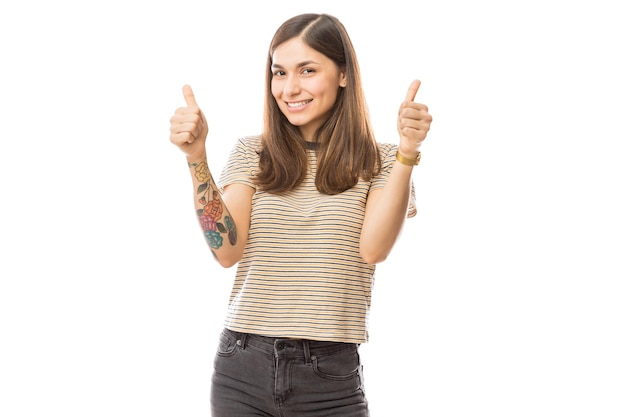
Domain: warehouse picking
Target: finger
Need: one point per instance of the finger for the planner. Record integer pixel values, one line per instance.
(190, 99)
(180, 139)
(422, 125)
(190, 128)
(187, 116)
(415, 85)
(414, 110)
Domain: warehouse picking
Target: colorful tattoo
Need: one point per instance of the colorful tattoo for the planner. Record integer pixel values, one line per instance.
(212, 210)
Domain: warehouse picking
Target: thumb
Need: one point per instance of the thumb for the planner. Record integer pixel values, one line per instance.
(190, 99)
(415, 85)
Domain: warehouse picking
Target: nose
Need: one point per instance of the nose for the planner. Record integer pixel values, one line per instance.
(292, 86)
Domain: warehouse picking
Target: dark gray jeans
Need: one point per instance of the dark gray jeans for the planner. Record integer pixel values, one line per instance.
(263, 376)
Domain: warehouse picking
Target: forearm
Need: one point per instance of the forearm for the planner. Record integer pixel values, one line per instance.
(387, 209)
(217, 223)
(385, 215)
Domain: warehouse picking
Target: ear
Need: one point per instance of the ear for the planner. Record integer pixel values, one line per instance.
(342, 79)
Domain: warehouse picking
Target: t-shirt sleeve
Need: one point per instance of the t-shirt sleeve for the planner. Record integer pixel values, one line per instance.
(388, 153)
(242, 165)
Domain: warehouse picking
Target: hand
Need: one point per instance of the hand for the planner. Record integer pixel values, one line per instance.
(413, 122)
(188, 128)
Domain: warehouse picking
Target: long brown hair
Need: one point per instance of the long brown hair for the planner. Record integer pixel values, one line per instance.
(347, 149)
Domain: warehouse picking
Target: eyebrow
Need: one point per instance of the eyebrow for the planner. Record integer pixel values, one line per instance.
(299, 65)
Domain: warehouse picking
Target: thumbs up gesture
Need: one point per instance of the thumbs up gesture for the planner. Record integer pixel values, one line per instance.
(188, 127)
(413, 122)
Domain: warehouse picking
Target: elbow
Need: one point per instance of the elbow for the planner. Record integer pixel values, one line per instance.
(228, 263)
(225, 261)
(373, 256)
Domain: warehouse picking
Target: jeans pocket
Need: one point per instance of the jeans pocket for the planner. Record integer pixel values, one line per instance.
(228, 344)
(339, 366)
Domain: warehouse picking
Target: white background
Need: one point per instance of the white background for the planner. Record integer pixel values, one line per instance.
(504, 297)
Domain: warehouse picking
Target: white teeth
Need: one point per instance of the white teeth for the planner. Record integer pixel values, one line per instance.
(298, 104)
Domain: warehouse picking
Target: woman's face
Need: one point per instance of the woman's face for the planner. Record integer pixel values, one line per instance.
(304, 84)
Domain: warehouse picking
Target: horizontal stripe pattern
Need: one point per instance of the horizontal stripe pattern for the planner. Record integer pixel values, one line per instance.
(301, 275)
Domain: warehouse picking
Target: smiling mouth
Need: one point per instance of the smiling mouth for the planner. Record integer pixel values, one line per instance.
(296, 104)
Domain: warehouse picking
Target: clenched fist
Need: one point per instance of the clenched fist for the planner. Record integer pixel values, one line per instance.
(413, 122)
(188, 128)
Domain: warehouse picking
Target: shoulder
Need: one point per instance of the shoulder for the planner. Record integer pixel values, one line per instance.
(247, 147)
(387, 151)
(253, 143)
(243, 162)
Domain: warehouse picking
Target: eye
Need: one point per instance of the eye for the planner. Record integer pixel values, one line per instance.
(308, 71)
(278, 73)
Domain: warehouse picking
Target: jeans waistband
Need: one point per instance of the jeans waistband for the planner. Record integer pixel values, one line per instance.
(293, 347)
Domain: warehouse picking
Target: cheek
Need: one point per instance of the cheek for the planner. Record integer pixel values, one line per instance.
(276, 90)
(327, 89)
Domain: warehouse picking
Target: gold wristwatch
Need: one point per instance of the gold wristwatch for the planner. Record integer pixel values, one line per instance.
(408, 161)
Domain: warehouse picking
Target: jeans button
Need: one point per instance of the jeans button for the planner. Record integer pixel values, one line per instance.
(280, 346)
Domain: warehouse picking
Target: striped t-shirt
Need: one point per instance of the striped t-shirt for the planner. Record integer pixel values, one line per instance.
(301, 275)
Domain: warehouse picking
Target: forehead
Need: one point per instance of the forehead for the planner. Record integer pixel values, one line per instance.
(295, 51)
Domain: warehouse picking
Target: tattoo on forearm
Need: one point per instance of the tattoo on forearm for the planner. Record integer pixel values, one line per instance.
(212, 209)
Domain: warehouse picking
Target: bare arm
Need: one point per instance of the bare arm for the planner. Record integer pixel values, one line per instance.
(391, 202)
(224, 218)
(225, 225)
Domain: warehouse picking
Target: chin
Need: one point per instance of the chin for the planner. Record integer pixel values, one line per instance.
(296, 122)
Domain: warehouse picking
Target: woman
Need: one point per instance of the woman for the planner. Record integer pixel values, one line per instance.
(306, 209)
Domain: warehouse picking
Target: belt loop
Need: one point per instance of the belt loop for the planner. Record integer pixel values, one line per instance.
(307, 352)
